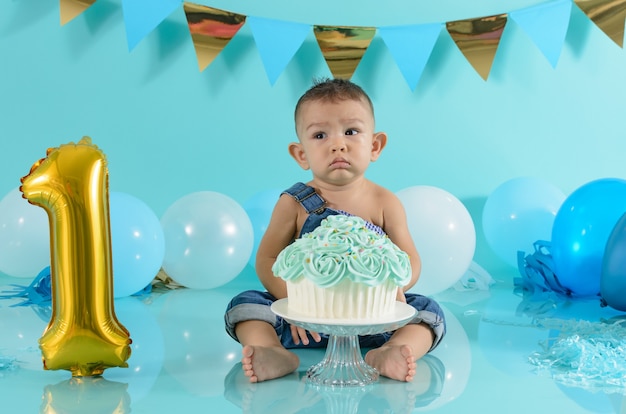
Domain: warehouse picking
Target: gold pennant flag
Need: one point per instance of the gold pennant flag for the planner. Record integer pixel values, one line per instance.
(478, 40)
(608, 15)
(72, 8)
(211, 30)
(343, 47)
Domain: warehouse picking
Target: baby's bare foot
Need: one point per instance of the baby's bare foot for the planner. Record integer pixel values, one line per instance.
(393, 361)
(264, 363)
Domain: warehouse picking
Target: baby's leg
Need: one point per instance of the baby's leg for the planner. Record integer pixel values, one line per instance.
(263, 356)
(397, 358)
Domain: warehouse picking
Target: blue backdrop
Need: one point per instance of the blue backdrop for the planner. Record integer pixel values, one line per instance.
(169, 129)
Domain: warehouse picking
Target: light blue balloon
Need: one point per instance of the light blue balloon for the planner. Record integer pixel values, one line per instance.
(613, 277)
(518, 213)
(137, 243)
(581, 230)
(259, 209)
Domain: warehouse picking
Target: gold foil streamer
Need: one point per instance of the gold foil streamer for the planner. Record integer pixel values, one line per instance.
(72, 8)
(608, 15)
(478, 40)
(343, 47)
(83, 335)
(211, 30)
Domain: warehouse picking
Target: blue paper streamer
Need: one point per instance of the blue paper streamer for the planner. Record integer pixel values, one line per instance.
(579, 353)
(37, 293)
(537, 271)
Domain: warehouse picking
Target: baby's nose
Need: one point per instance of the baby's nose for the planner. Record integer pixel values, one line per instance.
(338, 144)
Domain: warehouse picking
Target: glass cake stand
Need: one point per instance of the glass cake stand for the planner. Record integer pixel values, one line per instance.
(343, 364)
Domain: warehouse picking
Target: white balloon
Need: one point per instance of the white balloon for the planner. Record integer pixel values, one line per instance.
(444, 235)
(208, 240)
(24, 237)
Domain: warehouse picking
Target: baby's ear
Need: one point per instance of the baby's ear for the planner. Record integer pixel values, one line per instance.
(378, 143)
(297, 152)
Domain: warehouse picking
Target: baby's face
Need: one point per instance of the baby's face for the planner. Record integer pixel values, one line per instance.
(337, 138)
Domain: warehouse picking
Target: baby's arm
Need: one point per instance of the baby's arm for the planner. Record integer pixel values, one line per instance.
(396, 227)
(279, 233)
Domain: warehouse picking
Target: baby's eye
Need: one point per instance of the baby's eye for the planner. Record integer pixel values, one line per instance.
(352, 131)
(319, 135)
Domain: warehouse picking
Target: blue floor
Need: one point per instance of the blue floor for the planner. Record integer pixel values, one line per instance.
(183, 362)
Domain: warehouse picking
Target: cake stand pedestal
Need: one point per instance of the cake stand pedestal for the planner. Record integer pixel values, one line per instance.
(343, 364)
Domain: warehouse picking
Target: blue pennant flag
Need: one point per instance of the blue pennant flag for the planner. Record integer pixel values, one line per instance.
(277, 42)
(142, 16)
(411, 47)
(546, 24)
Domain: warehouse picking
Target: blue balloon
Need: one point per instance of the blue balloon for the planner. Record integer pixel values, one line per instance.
(259, 209)
(518, 213)
(613, 278)
(581, 230)
(137, 244)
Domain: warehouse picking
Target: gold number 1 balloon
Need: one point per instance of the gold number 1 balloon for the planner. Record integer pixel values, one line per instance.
(83, 335)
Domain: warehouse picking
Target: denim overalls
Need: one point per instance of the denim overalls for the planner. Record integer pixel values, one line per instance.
(255, 305)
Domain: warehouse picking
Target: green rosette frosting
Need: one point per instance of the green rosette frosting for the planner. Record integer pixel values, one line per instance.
(342, 247)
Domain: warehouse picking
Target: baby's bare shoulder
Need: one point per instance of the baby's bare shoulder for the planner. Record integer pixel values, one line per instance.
(383, 194)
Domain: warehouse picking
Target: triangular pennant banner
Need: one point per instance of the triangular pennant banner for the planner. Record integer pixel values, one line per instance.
(142, 16)
(546, 25)
(72, 8)
(211, 30)
(277, 42)
(608, 15)
(478, 40)
(411, 47)
(343, 47)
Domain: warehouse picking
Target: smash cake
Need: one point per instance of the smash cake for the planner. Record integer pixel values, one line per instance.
(343, 270)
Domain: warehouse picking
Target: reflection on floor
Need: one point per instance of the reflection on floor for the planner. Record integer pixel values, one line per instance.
(183, 361)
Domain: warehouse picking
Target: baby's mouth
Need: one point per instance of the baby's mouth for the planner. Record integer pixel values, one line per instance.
(339, 163)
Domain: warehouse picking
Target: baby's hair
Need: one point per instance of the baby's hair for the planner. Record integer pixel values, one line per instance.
(333, 90)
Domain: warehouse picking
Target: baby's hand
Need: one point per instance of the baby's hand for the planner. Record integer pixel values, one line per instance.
(299, 335)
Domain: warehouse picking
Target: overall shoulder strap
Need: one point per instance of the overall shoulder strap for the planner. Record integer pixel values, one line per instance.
(307, 197)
